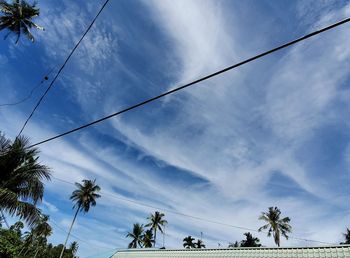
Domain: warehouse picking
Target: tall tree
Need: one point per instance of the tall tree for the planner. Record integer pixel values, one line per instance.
(74, 248)
(199, 244)
(250, 241)
(41, 231)
(136, 236)
(147, 239)
(10, 243)
(156, 222)
(84, 197)
(21, 179)
(347, 237)
(17, 17)
(275, 224)
(188, 242)
(36, 240)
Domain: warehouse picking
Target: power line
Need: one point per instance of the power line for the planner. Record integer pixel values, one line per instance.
(62, 67)
(191, 216)
(197, 81)
(74, 236)
(44, 78)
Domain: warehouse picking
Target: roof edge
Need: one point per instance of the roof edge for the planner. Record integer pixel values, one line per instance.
(225, 249)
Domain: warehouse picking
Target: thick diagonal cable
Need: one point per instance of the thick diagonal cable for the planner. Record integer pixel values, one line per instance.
(197, 81)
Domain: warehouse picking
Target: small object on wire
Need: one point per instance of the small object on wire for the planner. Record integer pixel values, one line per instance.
(30, 93)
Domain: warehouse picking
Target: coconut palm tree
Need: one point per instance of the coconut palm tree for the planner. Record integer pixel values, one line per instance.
(136, 235)
(250, 241)
(347, 237)
(147, 239)
(84, 197)
(37, 237)
(17, 18)
(199, 244)
(188, 242)
(42, 230)
(74, 248)
(156, 222)
(275, 224)
(21, 179)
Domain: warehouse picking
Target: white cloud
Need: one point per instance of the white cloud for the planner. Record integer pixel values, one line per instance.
(201, 35)
(236, 136)
(51, 207)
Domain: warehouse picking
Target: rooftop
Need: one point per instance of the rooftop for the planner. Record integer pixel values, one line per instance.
(254, 252)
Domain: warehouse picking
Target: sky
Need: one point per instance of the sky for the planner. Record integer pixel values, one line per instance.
(274, 132)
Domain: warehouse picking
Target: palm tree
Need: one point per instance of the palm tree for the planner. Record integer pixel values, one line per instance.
(347, 237)
(156, 222)
(37, 237)
(84, 197)
(188, 242)
(42, 230)
(136, 236)
(275, 225)
(250, 241)
(17, 18)
(199, 244)
(147, 239)
(17, 227)
(74, 248)
(21, 179)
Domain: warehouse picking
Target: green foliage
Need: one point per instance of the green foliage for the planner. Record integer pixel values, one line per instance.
(199, 244)
(136, 235)
(31, 244)
(250, 241)
(21, 179)
(10, 243)
(188, 242)
(147, 239)
(54, 252)
(36, 239)
(17, 18)
(86, 194)
(275, 225)
(74, 247)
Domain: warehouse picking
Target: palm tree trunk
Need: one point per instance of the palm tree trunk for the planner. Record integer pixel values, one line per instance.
(70, 229)
(155, 236)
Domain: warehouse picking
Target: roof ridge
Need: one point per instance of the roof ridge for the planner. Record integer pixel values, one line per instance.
(231, 249)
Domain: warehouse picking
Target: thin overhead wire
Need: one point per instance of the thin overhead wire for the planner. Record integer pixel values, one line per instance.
(77, 238)
(198, 80)
(191, 216)
(43, 80)
(62, 67)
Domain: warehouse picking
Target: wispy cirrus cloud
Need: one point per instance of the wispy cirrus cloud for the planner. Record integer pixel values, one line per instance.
(224, 150)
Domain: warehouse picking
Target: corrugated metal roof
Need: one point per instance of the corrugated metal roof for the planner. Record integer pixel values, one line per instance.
(259, 252)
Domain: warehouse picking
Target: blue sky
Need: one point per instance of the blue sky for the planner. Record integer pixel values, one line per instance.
(271, 133)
